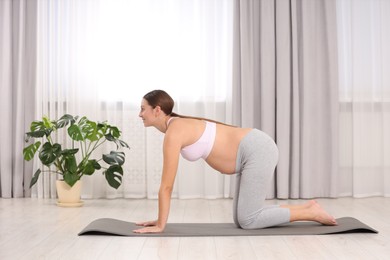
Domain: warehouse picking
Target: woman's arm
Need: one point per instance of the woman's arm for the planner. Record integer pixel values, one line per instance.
(171, 153)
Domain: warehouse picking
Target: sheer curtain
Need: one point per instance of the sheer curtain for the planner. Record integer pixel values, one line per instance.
(98, 58)
(364, 66)
(17, 85)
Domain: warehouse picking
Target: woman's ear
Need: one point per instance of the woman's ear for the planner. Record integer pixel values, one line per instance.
(157, 111)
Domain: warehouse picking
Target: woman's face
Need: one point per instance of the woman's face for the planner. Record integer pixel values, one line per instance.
(147, 113)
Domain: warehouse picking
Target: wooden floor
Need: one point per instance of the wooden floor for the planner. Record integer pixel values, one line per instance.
(38, 229)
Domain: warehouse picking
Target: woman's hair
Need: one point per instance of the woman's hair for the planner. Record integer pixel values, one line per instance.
(165, 102)
(162, 99)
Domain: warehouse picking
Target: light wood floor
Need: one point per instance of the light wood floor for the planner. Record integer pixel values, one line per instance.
(38, 229)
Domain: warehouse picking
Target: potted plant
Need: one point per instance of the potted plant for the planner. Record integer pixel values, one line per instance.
(76, 159)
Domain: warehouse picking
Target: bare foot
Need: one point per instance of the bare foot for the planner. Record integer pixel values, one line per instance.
(320, 215)
(310, 211)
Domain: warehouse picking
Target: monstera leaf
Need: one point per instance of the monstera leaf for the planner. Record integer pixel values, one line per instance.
(114, 158)
(114, 176)
(29, 151)
(66, 120)
(49, 153)
(90, 167)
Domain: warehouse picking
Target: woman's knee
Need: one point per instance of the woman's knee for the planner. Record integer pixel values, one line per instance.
(250, 222)
(267, 216)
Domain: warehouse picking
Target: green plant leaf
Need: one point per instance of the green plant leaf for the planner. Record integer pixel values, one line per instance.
(95, 136)
(29, 151)
(114, 158)
(102, 128)
(65, 120)
(36, 126)
(48, 132)
(67, 152)
(91, 131)
(37, 134)
(114, 131)
(49, 153)
(102, 125)
(114, 176)
(70, 164)
(95, 164)
(90, 167)
(71, 178)
(75, 133)
(35, 178)
(118, 142)
(110, 138)
(84, 124)
(47, 123)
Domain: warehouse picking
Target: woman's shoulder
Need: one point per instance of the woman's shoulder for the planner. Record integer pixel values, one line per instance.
(177, 132)
(184, 121)
(182, 127)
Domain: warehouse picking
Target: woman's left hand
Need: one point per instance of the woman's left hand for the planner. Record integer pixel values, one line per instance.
(151, 229)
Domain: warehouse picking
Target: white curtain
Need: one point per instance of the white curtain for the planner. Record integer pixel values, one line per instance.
(17, 85)
(98, 58)
(364, 68)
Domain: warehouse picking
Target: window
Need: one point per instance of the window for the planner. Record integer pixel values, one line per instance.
(122, 48)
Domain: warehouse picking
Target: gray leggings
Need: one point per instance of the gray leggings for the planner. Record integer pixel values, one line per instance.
(257, 157)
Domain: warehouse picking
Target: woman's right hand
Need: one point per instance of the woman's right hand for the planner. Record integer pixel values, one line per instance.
(147, 223)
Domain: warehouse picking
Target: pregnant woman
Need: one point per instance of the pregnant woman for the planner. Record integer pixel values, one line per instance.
(249, 153)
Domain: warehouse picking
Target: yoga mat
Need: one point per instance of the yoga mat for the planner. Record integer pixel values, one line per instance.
(114, 227)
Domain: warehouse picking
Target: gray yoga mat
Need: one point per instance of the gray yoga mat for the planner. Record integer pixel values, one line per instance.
(114, 227)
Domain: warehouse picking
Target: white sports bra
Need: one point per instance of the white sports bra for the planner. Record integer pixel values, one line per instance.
(202, 147)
